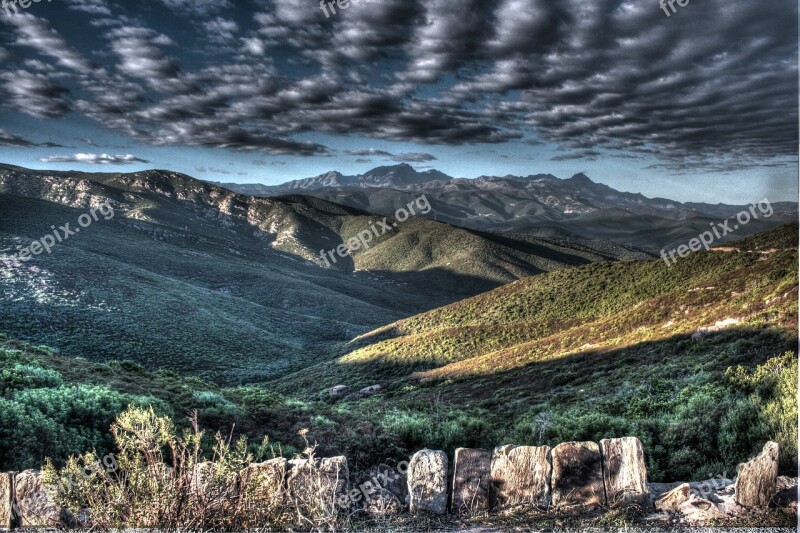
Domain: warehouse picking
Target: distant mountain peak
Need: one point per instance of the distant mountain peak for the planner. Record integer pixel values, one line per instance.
(581, 179)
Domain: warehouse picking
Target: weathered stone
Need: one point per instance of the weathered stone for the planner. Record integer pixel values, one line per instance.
(521, 476)
(427, 482)
(262, 488)
(369, 391)
(35, 506)
(472, 480)
(672, 500)
(624, 471)
(338, 390)
(577, 475)
(317, 485)
(785, 491)
(382, 502)
(757, 478)
(6, 499)
(384, 490)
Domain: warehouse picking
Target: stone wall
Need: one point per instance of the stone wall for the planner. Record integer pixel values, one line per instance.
(573, 476)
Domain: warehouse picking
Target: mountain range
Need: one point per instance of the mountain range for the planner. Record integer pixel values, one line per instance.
(186, 270)
(541, 205)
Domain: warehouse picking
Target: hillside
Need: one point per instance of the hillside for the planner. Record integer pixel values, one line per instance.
(192, 277)
(698, 361)
(586, 352)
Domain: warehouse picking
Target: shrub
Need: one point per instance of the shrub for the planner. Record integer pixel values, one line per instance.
(157, 479)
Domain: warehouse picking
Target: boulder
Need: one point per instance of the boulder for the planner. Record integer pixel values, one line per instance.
(427, 482)
(521, 476)
(369, 391)
(472, 480)
(338, 390)
(6, 499)
(262, 489)
(624, 471)
(317, 485)
(785, 492)
(35, 504)
(577, 476)
(756, 480)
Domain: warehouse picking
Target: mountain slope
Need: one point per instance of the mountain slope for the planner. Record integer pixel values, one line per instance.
(193, 277)
(582, 312)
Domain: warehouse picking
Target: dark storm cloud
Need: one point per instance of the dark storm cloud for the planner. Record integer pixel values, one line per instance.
(410, 157)
(713, 86)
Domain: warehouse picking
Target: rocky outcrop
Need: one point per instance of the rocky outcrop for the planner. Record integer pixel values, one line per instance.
(427, 482)
(35, 506)
(757, 478)
(624, 471)
(521, 477)
(577, 476)
(472, 480)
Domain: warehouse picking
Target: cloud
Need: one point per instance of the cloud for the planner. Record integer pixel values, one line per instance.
(8, 139)
(589, 155)
(716, 87)
(414, 157)
(94, 159)
(370, 152)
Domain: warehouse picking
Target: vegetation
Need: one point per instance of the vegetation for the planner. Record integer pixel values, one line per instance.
(600, 351)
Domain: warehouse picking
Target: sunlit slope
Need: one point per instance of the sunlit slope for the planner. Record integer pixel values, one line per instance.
(587, 311)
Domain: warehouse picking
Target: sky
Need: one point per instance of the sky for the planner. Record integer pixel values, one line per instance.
(699, 104)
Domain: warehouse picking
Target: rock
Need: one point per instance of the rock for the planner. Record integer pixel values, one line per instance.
(262, 489)
(427, 482)
(381, 503)
(472, 480)
(672, 500)
(35, 505)
(316, 486)
(757, 479)
(624, 471)
(785, 491)
(369, 391)
(521, 476)
(6, 499)
(338, 390)
(378, 479)
(577, 476)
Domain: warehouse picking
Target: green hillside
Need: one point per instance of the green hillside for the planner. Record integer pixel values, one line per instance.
(594, 352)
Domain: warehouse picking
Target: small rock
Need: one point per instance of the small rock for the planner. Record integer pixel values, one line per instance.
(785, 491)
(757, 479)
(427, 482)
